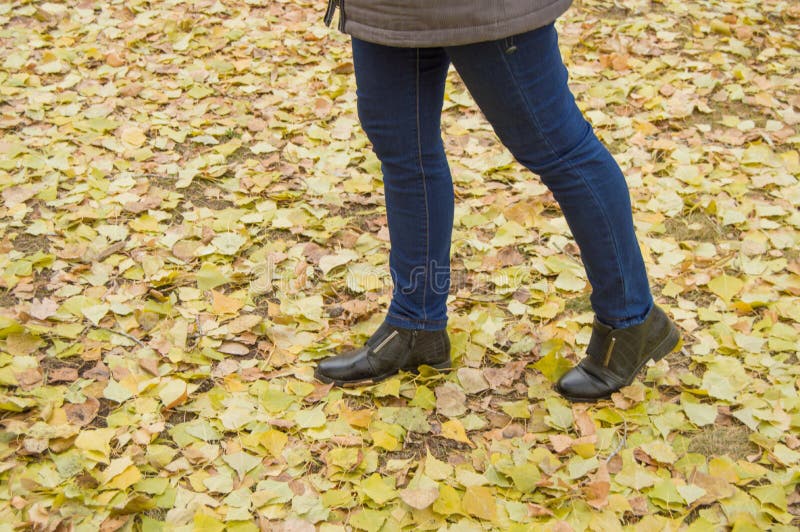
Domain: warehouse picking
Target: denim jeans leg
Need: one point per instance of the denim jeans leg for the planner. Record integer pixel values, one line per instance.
(400, 94)
(520, 84)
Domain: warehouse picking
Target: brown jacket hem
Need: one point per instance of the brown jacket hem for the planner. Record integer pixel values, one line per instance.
(426, 38)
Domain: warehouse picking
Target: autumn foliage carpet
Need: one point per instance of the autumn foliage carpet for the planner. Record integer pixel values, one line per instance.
(191, 217)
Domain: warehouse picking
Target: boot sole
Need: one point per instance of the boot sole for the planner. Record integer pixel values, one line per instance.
(441, 366)
(669, 344)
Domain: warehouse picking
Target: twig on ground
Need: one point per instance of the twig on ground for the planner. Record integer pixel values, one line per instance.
(621, 442)
(119, 333)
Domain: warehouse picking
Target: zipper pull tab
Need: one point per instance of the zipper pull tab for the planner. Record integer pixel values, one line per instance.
(342, 16)
(330, 11)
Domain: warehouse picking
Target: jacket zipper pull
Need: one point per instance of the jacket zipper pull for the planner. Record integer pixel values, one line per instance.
(330, 11)
(342, 17)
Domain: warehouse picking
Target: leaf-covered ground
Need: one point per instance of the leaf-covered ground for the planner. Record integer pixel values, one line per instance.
(191, 217)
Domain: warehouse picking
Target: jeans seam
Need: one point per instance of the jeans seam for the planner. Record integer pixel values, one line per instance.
(528, 108)
(424, 192)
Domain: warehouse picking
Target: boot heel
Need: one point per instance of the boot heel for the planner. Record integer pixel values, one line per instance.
(670, 344)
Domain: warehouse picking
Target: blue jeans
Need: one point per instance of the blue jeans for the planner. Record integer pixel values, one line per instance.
(520, 85)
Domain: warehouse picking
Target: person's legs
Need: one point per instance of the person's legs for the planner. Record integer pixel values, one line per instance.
(400, 94)
(520, 84)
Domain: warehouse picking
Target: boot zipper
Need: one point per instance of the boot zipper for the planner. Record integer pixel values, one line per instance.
(384, 342)
(332, 5)
(609, 351)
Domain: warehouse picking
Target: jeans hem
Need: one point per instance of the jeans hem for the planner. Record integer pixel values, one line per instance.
(622, 323)
(419, 325)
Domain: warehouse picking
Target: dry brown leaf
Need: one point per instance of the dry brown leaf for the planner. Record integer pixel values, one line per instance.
(83, 413)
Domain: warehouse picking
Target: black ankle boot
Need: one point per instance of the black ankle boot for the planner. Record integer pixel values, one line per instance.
(388, 351)
(615, 356)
